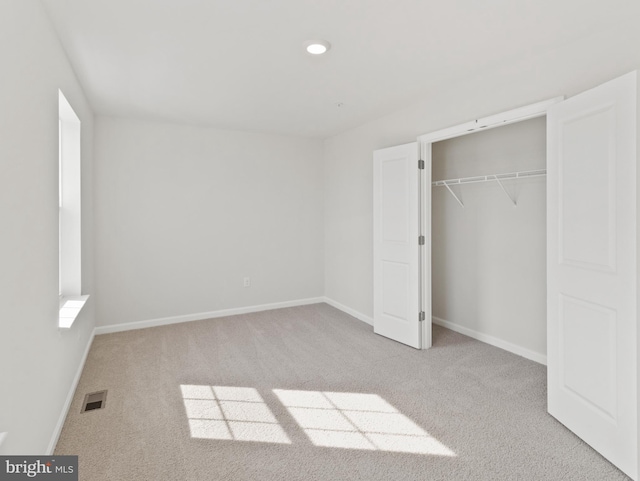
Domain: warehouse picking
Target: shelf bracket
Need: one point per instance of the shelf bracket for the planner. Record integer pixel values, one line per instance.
(454, 194)
(505, 192)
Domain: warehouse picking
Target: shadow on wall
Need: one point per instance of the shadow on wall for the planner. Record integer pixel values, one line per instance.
(328, 419)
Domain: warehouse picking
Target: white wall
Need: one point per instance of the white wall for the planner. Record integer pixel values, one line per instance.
(184, 213)
(489, 258)
(567, 70)
(38, 362)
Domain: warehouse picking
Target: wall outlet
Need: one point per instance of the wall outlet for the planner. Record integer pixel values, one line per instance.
(247, 282)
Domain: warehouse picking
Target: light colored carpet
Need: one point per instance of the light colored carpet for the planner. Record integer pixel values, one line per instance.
(310, 393)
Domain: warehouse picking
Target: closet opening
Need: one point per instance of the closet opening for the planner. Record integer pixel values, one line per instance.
(488, 236)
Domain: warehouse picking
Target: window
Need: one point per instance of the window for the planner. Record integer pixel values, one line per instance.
(70, 278)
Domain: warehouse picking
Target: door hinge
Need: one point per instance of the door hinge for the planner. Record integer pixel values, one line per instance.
(421, 164)
(421, 240)
(421, 316)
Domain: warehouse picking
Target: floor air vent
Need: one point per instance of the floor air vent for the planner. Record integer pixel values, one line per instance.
(94, 400)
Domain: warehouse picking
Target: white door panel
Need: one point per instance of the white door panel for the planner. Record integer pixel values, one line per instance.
(397, 298)
(591, 262)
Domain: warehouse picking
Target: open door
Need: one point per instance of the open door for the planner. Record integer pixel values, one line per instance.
(592, 270)
(398, 245)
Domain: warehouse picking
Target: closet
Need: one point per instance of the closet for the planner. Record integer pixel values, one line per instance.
(488, 231)
(461, 237)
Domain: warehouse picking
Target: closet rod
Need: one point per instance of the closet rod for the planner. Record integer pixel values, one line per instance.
(489, 178)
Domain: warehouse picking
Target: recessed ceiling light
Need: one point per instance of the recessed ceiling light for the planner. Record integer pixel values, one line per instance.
(317, 47)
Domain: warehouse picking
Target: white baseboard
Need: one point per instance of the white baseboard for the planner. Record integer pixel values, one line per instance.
(67, 403)
(129, 326)
(494, 341)
(348, 310)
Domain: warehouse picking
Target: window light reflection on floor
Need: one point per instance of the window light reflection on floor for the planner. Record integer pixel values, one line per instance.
(357, 421)
(230, 413)
(329, 419)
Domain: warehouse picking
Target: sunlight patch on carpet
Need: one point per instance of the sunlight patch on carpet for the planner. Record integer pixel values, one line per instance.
(230, 413)
(328, 419)
(357, 421)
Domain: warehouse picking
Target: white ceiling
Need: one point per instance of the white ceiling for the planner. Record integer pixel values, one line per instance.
(240, 64)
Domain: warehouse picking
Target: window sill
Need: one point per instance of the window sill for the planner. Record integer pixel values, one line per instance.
(70, 307)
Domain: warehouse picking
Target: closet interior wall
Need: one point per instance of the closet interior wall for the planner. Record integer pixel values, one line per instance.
(489, 258)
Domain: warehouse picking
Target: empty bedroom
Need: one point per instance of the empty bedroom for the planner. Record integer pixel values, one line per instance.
(312, 240)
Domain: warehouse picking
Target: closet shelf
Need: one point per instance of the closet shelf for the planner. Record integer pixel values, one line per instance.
(489, 178)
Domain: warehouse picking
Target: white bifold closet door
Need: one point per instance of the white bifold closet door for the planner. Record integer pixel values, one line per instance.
(592, 269)
(397, 293)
